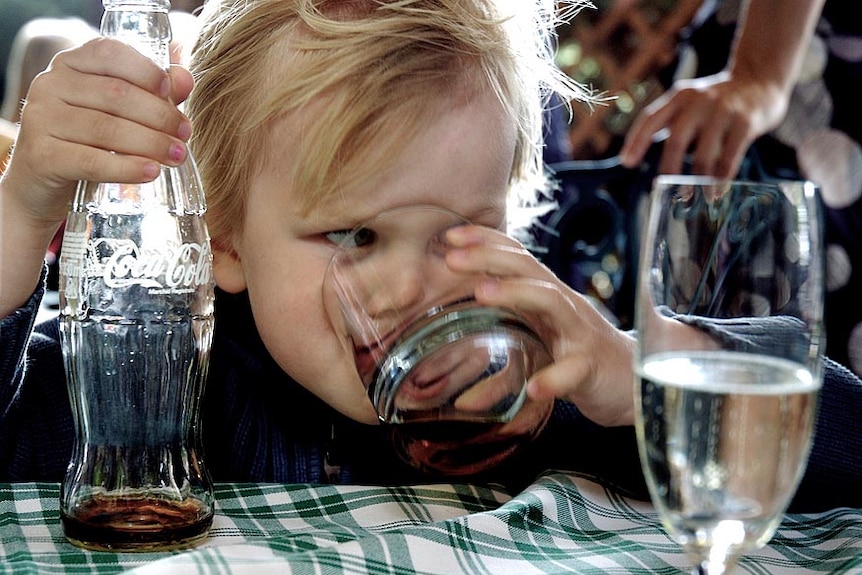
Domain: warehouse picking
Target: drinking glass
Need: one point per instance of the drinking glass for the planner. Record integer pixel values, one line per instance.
(445, 373)
(729, 318)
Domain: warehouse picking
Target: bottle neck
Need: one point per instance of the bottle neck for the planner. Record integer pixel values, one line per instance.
(142, 24)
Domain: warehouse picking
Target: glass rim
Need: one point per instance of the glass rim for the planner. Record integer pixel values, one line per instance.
(434, 331)
(700, 180)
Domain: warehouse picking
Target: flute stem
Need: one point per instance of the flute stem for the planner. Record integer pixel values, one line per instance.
(714, 564)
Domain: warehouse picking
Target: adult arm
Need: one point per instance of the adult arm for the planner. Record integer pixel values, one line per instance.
(717, 117)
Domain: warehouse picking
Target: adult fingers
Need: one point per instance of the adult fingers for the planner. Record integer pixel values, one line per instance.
(640, 135)
(683, 129)
(737, 140)
(709, 145)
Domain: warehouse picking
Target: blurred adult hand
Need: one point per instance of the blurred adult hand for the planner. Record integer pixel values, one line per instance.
(714, 118)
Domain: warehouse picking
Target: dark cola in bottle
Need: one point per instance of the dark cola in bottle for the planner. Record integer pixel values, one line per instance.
(136, 322)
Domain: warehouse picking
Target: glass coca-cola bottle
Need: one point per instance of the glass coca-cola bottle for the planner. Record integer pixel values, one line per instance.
(136, 298)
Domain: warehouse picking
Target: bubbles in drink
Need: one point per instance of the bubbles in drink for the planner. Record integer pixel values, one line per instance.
(707, 421)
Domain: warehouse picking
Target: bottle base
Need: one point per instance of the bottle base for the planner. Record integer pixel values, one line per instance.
(137, 524)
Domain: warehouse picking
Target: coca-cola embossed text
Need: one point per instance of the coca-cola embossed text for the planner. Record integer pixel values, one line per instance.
(122, 263)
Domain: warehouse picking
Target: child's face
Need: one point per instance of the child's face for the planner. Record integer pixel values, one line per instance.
(460, 162)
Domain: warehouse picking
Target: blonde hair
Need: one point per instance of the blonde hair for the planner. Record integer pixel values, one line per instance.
(380, 68)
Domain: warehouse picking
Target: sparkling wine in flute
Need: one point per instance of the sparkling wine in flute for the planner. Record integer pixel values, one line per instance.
(729, 317)
(726, 436)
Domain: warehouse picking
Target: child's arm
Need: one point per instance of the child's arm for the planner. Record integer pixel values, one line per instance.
(100, 98)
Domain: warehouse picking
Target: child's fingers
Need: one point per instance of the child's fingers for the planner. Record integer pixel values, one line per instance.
(100, 165)
(546, 300)
(111, 58)
(517, 279)
(592, 359)
(57, 162)
(59, 137)
(123, 100)
(181, 84)
(607, 402)
(106, 132)
(477, 249)
(567, 378)
(84, 109)
(77, 81)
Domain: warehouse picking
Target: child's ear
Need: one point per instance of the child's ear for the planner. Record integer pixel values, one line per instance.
(227, 268)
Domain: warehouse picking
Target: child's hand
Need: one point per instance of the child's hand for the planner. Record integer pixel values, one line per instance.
(102, 113)
(592, 359)
(100, 98)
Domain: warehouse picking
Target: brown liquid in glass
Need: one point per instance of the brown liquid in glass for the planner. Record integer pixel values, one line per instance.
(128, 523)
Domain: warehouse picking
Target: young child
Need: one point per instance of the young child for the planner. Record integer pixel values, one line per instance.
(312, 116)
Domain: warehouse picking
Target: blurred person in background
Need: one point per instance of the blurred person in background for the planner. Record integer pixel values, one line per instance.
(34, 46)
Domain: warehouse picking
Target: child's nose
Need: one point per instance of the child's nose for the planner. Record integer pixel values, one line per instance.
(400, 289)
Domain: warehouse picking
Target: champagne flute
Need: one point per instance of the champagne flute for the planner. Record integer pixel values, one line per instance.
(729, 317)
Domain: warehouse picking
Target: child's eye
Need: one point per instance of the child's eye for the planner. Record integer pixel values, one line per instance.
(352, 238)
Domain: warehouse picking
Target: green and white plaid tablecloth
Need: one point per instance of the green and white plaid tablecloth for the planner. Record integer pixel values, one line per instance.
(561, 524)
